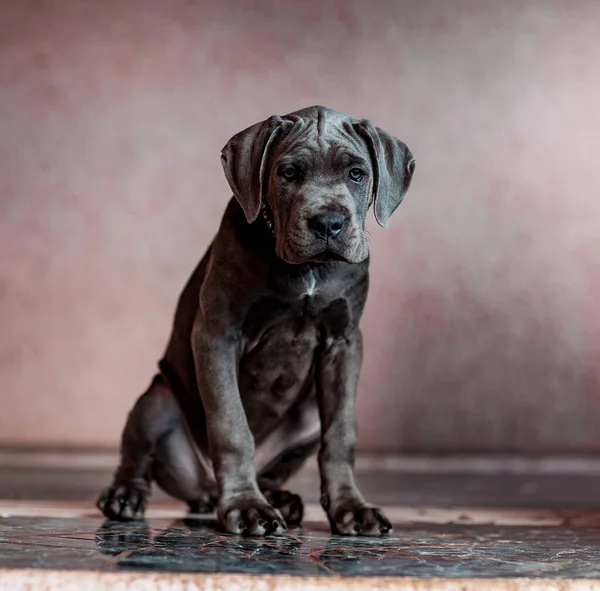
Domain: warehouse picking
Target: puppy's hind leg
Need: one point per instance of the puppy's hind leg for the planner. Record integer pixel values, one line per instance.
(183, 473)
(273, 477)
(282, 455)
(153, 417)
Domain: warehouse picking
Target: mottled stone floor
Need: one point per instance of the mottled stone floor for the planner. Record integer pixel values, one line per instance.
(196, 546)
(466, 530)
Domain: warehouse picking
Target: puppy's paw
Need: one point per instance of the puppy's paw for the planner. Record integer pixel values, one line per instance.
(250, 516)
(289, 504)
(351, 519)
(122, 503)
(205, 504)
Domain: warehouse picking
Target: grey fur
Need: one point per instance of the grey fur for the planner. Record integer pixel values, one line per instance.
(263, 362)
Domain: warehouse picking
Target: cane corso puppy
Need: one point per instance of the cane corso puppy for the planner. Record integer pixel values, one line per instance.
(262, 365)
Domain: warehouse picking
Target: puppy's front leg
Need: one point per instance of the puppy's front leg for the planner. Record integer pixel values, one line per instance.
(347, 510)
(242, 508)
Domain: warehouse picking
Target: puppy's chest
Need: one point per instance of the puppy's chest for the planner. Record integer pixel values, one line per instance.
(308, 285)
(308, 291)
(298, 312)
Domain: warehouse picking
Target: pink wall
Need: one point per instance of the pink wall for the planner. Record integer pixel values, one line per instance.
(481, 331)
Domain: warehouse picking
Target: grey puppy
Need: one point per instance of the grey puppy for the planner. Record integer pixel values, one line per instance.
(262, 366)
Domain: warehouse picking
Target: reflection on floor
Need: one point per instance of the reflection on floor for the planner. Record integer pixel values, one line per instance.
(195, 545)
(60, 541)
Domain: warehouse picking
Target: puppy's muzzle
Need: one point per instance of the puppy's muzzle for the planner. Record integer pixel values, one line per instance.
(327, 225)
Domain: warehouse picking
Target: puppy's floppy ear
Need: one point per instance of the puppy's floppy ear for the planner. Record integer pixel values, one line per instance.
(244, 159)
(393, 167)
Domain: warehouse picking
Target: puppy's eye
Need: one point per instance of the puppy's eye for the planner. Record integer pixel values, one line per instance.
(289, 173)
(356, 175)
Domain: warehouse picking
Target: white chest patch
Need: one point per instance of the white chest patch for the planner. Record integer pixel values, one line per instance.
(310, 285)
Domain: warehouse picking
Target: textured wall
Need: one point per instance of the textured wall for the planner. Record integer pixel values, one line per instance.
(481, 330)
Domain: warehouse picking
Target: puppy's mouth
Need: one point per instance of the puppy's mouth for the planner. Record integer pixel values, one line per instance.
(298, 246)
(331, 250)
(325, 255)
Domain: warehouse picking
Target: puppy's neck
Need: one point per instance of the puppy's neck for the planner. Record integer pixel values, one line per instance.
(265, 212)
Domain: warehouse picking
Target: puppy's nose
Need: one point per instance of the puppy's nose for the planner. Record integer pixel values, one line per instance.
(328, 224)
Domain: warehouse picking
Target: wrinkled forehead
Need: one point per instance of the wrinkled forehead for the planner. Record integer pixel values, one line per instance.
(331, 143)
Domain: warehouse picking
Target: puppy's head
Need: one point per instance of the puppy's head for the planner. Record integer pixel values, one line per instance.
(316, 172)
